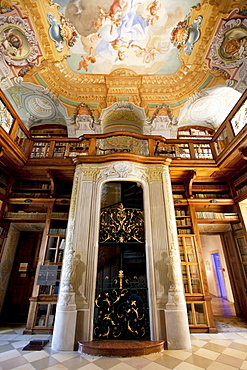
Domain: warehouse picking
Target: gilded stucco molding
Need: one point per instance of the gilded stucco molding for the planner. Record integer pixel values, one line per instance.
(89, 173)
(121, 170)
(123, 72)
(155, 173)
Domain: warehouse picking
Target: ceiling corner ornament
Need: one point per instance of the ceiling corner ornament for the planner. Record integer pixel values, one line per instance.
(162, 110)
(60, 32)
(55, 32)
(83, 109)
(18, 43)
(185, 35)
(228, 49)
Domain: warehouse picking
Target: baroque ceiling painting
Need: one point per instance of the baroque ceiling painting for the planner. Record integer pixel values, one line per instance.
(126, 33)
(85, 65)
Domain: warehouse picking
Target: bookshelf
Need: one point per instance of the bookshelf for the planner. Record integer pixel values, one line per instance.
(53, 258)
(210, 191)
(31, 189)
(199, 311)
(45, 315)
(77, 148)
(60, 149)
(240, 240)
(55, 241)
(178, 191)
(43, 302)
(189, 261)
(4, 180)
(216, 217)
(196, 314)
(183, 220)
(41, 149)
(240, 186)
(195, 133)
(203, 151)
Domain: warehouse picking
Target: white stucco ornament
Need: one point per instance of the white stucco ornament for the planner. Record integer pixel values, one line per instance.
(208, 108)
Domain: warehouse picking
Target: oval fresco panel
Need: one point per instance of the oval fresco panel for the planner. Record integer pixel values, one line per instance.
(133, 34)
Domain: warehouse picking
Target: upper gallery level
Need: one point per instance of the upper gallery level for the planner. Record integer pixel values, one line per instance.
(124, 133)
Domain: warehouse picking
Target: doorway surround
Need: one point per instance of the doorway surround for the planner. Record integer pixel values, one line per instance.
(75, 308)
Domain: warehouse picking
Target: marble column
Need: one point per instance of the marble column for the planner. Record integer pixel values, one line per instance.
(65, 321)
(177, 329)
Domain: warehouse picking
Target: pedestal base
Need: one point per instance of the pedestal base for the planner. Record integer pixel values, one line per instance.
(120, 348)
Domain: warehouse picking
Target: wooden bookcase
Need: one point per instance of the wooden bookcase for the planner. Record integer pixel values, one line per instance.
(195, 132)
(43, 302)
(6, 181)
(240, 187)
(213, 204)
(30, 189)
(47, 203)
(240, 240)
(198, 306)
(210, 191)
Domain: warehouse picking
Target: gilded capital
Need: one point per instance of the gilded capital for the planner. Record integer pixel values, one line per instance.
(89, 173)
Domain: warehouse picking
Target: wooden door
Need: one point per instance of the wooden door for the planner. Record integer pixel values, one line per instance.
(236, 274)
(20, 287)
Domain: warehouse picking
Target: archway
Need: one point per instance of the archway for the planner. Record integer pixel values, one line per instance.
(121, 300)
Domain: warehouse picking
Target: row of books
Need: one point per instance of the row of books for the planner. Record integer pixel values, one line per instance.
(194, 132)
(217, 215)
(184, 231)
(64, 215)
(29, 195)
(242, 190)
(240, 179)
(180, 212)
(57, 231)
(22, 214)
(32, 185)
(210, 195)
(183, 222)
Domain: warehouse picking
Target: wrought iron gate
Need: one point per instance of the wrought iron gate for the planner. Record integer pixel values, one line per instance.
(121, 309)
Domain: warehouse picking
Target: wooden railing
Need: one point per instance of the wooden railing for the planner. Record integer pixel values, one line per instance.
(105, 145)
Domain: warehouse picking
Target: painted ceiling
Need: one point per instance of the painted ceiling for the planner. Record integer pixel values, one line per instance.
(130, 34)
(186, 56)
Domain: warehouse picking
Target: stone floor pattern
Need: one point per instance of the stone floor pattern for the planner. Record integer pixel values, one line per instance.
(224, 351)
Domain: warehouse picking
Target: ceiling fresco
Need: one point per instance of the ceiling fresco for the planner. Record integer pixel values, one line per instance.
(187, 56)
(127, 34)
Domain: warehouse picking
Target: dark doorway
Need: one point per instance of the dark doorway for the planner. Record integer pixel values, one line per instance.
(121, 304)
(20, 286)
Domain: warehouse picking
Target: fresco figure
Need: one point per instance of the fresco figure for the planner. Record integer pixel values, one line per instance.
(153, 9)
(84, 63)
(122, 32)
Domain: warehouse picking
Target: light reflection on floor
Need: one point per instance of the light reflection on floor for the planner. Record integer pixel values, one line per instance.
(222, 307)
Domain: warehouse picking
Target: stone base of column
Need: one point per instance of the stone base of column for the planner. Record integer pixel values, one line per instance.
(63, 338)
(177, 328)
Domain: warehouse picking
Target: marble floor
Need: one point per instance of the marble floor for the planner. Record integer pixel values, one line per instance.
(223, 350)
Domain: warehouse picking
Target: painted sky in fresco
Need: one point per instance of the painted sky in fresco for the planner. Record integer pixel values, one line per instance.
(132, 34)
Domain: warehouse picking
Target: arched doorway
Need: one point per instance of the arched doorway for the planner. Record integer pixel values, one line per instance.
(121, 300)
